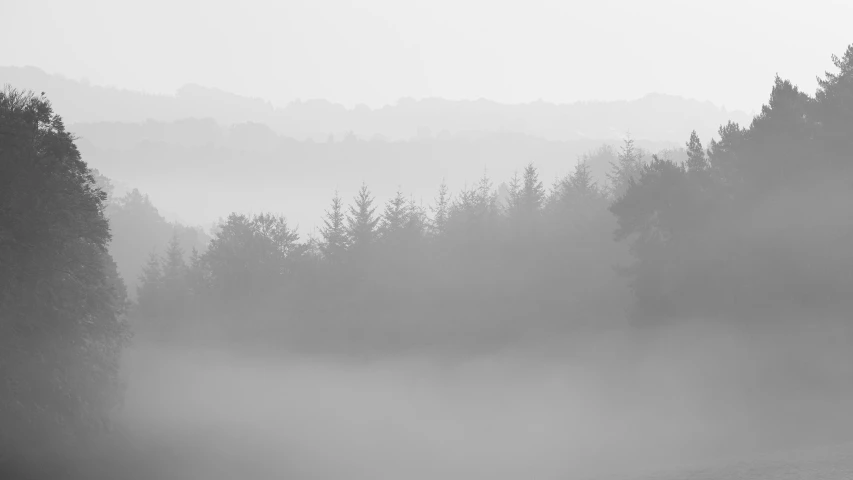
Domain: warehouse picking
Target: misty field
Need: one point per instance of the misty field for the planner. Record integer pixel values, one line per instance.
(673, 411)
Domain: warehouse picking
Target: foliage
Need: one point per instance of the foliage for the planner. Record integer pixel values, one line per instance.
(62, 302)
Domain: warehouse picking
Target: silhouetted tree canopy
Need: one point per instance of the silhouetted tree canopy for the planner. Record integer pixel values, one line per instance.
(62, 302)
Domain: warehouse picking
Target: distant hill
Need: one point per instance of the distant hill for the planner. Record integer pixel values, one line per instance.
(654, 117)
(215, 171)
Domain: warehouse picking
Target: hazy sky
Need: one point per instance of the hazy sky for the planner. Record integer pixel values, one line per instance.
(376, 51)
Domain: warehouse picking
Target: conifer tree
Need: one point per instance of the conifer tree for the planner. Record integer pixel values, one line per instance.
(626, 169)
(533, 192)
(441, 210)
(696, 161)
(581, 180)
(361, 224)
(151, 285)
(394, 220)
(334, 232)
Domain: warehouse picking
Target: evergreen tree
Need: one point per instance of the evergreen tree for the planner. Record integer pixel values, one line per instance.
(415, 222)
(581, 180)
(334, 232)
(149, 290)
(175, 285)
(625, 169)
(196, 278)
(174, 265)
(361, 225)
(394, 220)
(514, 194)
(696, 161)
(526, 198)
(486, 198)
(533, 192)
(441, 211)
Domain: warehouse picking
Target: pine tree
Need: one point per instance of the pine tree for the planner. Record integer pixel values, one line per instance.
(441, 211)
(696, 161)
(174, 265)
(555, 192)
(196, 278)
(514, 201)
(415, 222)
(527, 195)
(361, 224)
(486, 197)
(334, 232)
(533, 192)
(625, 169)
(150, 289)
(393, 219)
(581, 180)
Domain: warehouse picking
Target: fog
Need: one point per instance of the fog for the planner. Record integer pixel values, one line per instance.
(608, 407)
(463, 240)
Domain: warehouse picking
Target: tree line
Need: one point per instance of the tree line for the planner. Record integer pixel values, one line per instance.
(718, 235)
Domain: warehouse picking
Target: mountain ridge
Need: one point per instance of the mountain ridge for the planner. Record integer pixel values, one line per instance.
(655, 116)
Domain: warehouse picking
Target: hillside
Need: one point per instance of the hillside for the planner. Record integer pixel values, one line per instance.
(654, 117)
(202, 171)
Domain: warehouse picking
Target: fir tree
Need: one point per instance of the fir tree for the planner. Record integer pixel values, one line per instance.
(441, 211)
(626, 169)
(696, 161)
(394, 219)
(334, 232)
(361, 224)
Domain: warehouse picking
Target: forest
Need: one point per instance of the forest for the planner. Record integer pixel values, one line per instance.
(750, 230)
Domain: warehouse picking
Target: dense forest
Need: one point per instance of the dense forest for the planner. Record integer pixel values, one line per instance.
(738, 229)
(753, 225)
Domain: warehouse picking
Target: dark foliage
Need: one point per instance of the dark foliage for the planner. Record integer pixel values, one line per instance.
(61, 299)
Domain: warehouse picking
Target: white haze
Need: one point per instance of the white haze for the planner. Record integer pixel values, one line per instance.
(376, 51)
(591, 410)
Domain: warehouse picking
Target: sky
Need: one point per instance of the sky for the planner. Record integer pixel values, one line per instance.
(375, 52)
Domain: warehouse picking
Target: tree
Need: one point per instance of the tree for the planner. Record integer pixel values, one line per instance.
(653, 212)
(334, 232)
(150, 289)
(833, 108)
(393, 221)
(696, 161)
(514, 195)
(361, 225)
(526, 198)
(138, 227)
(175, 279)
(62, 304)
(581, 179)
(196, 274)
(533, 192)
(415, 222)
(625, 169)
(441, 211)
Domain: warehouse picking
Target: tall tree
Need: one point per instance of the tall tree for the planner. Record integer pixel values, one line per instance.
(393, 220)
(581, 179)
(696, 161)
(533, 192)
(334, 232)
(441, 210)
(149, 290)
(625, 169)
(361, 224)
(61, 309)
